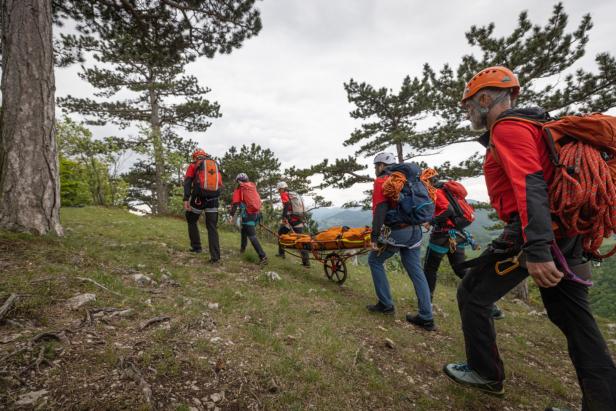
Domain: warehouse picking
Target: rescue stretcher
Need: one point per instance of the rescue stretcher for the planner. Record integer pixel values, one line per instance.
(332, 247)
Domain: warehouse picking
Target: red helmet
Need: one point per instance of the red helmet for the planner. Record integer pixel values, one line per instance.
(497, 76)
(198, 153)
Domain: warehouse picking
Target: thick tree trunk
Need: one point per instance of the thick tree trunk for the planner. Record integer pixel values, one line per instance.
(162, 197)
(521, 291)
(29, 179)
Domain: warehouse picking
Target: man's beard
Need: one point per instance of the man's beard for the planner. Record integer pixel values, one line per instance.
(478, 121)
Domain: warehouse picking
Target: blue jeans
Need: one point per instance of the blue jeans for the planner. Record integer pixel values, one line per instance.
(410, 261)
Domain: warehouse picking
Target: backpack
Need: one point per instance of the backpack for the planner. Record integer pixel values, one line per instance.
(297, 204)
(583, 191)
(250, 197)
(413, 203)
(464, 214)
(207, 182)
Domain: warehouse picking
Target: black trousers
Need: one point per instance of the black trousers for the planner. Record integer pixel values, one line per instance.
(298, 230)
(567, 307)
(249, 232)
(432, 262)
(211, 221)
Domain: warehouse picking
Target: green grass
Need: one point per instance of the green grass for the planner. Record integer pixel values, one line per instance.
(299, 343)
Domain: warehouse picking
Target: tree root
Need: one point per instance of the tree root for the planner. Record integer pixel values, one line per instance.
(58, 336)
(151, 321)
(8, 304)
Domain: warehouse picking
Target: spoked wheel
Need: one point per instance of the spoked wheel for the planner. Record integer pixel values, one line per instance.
(335, 268)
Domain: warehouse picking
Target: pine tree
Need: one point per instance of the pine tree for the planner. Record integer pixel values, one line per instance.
(147, 57)
(394, 116)
(260, 164)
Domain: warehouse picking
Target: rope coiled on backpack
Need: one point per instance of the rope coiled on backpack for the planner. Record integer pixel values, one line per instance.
(583, 196)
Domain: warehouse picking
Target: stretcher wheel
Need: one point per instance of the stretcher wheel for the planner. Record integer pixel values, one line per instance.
(335, 268)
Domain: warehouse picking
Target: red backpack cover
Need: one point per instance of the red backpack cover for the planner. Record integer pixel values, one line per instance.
(250, 197)
(464, 212)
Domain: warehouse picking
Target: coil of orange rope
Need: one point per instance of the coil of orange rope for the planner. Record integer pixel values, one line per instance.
(583, 196)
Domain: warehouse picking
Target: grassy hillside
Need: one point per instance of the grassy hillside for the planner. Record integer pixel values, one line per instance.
(234, 339)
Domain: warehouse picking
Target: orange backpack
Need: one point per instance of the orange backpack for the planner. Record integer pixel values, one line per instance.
(207, 178)
(583, 193)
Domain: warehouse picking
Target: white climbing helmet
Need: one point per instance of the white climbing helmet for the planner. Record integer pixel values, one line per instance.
(281, 185)
(385, 158)
(241, 177)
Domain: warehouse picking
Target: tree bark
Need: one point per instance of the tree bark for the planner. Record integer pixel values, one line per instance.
(29, 178)
(400, 153)
(521, 291)
(162, 196)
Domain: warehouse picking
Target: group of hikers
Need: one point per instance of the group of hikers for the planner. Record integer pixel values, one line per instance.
(520, 168)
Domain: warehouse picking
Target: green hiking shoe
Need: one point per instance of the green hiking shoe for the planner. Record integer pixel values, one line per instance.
(497, 313)
(463, 374)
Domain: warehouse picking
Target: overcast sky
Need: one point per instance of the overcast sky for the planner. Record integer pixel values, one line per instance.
(284, 88)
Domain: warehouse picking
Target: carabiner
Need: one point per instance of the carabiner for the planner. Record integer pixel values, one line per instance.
(515, 263)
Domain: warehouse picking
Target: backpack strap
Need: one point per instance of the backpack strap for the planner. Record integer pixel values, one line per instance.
(523, 119)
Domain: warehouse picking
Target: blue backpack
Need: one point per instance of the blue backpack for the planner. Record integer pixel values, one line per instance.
(414, 206)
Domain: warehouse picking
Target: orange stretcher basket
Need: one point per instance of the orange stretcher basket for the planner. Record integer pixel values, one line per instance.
(334, 238)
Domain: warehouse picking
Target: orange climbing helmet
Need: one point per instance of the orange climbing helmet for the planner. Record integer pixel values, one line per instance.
(497, 76)
(199, 153)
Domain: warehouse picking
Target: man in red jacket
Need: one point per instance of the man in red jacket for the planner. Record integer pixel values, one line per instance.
(196, 203)
(518, 170)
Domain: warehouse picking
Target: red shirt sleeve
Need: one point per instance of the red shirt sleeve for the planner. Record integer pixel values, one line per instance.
(190, 171)
(284, 197)
(377, 193)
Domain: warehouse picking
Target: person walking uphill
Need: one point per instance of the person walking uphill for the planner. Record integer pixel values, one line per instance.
(399, 237)
(292, 218)
(246, 199)
(518, 170)
(202, 185)
(452, 214)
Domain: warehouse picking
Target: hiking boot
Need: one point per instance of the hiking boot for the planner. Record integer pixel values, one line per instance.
(280, 256)
(196, 250)
(242, 250)
(379, 307)
(496, 313)
(214, 261)
(427, 325)
(263, 260)
(463, 374)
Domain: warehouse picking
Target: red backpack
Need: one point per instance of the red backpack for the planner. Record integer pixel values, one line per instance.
(250, 197)
(464, 213)
(583, 192)
(207, 181)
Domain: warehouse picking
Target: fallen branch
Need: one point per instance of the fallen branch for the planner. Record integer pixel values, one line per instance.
(151, 321)
(99, 285)
(8, 304)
